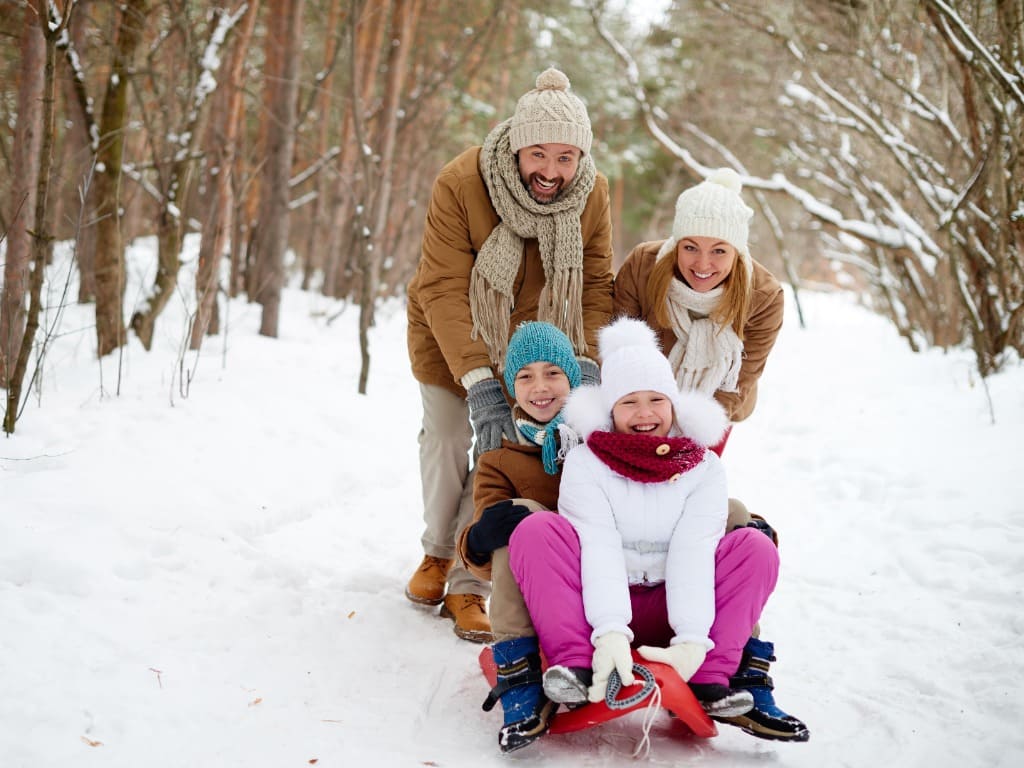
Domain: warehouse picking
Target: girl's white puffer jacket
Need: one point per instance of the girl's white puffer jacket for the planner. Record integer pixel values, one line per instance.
(645, 533)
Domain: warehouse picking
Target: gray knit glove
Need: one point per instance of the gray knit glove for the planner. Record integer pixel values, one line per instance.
(589, 372)
(490, 414)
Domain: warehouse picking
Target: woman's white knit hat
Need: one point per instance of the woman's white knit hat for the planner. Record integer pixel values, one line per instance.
(714, 208)
(550, 114)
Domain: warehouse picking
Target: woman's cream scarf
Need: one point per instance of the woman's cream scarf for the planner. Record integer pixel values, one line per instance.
(706, 357)
(555, 225)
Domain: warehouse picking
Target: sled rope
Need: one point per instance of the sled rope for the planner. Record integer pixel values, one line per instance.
(643, 746)
(648, 689)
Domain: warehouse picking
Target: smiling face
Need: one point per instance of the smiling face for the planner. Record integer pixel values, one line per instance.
(541, 389)
(704, 262)
(643, 413)
(547, 169)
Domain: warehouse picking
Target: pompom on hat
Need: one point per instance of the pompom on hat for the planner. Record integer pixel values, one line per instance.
(632, 362)
(536, 341)
(550, 114)
(713, 208)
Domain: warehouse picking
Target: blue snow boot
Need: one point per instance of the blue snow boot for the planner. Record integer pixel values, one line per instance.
(527, 710)
(765, 720)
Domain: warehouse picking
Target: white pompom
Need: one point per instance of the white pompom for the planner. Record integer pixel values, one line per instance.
(726, 177)
(625, 332)
(585, 411)
(700, 417)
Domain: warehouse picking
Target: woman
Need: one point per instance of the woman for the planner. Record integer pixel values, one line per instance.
(717, 312)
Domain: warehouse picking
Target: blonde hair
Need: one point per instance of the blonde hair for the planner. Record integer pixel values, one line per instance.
(733, 309)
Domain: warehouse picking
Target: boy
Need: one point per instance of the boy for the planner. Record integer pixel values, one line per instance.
(511, 482)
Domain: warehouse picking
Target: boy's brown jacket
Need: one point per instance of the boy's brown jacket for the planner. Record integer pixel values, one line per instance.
(459, 219)
(763, 324)
(514, 471)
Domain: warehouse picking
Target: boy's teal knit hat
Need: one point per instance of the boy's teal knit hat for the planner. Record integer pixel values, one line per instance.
(536, 341)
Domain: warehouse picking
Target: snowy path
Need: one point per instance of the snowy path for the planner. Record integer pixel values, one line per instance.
(247, 609)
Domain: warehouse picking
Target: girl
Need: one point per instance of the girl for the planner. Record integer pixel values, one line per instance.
(639, 555)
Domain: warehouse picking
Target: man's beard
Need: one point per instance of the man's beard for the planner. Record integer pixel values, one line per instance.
(547, 198)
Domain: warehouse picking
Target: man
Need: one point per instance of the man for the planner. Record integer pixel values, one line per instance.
(518, 229)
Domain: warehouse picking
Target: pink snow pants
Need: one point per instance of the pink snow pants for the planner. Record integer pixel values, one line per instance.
(544, 553)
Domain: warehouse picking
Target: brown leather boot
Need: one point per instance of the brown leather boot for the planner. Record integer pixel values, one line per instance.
(470, 615)
(426, 586)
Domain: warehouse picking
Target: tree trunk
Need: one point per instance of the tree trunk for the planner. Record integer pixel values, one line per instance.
(40, 235)
(401, 258)
(404, 17)
(110, 266)
(83, 134)
(280, 93)
(177, 179)
(219, 219)
(245, 240)
(618, 199)
(168, 237)
(316, 242)
(367, 37)
(78, 138)
(25, 168)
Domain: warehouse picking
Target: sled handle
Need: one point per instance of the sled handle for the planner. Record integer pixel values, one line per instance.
(615, 685)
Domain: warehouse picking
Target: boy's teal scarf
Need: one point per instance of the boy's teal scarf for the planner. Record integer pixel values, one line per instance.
(546, 436)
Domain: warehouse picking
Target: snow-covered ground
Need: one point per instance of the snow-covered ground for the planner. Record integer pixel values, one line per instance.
(216, 579)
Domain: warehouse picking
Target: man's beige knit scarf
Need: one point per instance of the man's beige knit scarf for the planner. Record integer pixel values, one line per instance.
(555, 225)
(706, 357)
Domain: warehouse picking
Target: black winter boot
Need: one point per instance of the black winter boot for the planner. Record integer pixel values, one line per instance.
(527, 710)
(765, 720)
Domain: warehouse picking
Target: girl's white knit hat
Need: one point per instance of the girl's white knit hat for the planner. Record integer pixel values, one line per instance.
(713, 208)
(631, 361)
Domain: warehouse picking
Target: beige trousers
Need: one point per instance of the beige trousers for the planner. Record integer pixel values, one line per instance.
(447, 482)
(508, 613)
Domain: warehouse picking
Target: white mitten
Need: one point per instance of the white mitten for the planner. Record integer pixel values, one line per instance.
(611, 651)
(684, 658)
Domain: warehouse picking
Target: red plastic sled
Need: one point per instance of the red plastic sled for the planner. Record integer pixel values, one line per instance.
(676, 697)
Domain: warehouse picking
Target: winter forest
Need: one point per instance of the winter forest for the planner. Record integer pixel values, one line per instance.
(881, 141)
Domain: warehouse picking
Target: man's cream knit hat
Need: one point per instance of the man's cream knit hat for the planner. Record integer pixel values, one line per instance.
(550, 114)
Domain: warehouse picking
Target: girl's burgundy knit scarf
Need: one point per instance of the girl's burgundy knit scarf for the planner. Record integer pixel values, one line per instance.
(646, 458)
